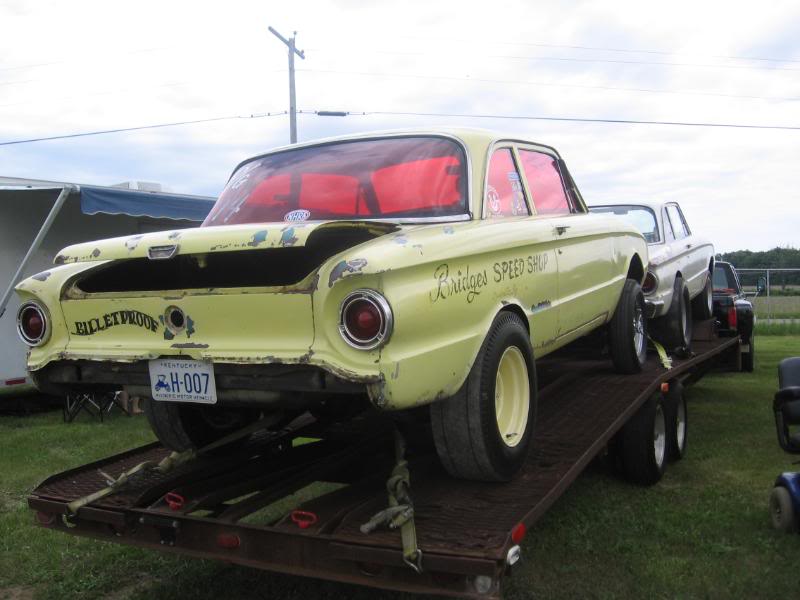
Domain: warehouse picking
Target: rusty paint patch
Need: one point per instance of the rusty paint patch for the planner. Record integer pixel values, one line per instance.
(259, 237)
(42, 276)
(396, 372)
(189, 345)
(60, 259)
(132, 242)
(288, 238)
(95, 253)
(174, 235)
(400, 239)
(541, 306)
(448, 230)
(189, 326)
(346, 266)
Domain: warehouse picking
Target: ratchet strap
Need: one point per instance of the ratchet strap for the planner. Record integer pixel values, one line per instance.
(176, 459)
(666, 361)
(400, 513)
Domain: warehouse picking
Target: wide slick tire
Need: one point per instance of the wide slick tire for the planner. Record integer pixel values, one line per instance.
(189, 426)
(703, 304)
(485, 431)
(627, 331)
(674, 329)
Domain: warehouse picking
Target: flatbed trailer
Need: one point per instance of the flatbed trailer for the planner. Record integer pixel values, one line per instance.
(239, 507)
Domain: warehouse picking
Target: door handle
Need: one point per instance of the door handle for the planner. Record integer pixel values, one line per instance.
(688, 246)
(561, 229)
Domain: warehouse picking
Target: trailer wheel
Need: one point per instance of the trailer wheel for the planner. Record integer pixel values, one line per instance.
(674, 329)
(748, 358)
(643, 443)
(677, 421)
(703, 305)
(627, 331)
(484, 432)
(182, 426)
(781, 510)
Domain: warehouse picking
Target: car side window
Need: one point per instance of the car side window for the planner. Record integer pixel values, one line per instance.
(544, 182)
(683, 220)
(677, 223)
(504, 194)
(669, 235)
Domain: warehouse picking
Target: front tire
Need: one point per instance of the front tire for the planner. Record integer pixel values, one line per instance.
(627, 331)
(183, 426)
(781, 510)
(485, 431)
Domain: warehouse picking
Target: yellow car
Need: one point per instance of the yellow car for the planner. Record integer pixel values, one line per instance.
(391, 270)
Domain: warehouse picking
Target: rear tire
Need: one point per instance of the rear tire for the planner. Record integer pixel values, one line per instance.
(674, 329)
(182, 427)
(748, 358)
(627, 331)
(485, 431)
(677, 415)
(781, 510)
(643, 443)
(703, 305)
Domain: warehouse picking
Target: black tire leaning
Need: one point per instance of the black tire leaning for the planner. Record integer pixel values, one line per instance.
(182, 426)
(748, 358)
(671, 329)
(627, 331)
(703, 304)
(781, 510)
(643, 460)
(465, 429)
(677, 416)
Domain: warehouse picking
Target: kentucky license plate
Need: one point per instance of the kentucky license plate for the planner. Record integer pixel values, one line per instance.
(178, 380)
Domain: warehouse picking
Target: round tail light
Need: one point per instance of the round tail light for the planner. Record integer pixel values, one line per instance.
(366, 319)
(650, 283)
(32, 324)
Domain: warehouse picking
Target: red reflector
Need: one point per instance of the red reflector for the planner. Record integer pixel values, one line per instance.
(229, 541)
(174, 500)
(32, 323)
(665, 387)
(363, 320)
(518, 533)
(18, 381)
(732, 318)
(303, 519)
(44, 518)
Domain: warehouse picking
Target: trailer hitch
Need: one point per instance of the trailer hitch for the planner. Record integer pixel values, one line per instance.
(400, 513)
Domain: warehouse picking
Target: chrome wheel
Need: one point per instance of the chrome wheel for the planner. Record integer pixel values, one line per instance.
(659, 435)
(709, 296)
(685, 319)
(680, 425)
(639, 338)
(512, 396)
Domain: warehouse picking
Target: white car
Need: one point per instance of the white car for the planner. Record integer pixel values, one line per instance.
(678, 285)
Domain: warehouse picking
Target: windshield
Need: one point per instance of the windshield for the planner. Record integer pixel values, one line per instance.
(390, 178)
(640, 217)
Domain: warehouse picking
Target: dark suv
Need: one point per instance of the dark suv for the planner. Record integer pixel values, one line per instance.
(733, 311)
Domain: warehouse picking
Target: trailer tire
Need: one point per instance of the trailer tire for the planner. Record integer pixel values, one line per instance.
(475, 435)
(182, 427)
(703, 304)
(748, 358)
(677, 415)
(674, 329)
(643, 443)
(781, 510)
(627, 331)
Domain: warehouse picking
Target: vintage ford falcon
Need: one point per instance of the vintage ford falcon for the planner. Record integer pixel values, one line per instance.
(398, 270)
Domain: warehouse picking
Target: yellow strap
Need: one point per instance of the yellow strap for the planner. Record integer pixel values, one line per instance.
(666, 361)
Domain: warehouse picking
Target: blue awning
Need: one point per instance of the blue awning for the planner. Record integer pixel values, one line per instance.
(157, 205)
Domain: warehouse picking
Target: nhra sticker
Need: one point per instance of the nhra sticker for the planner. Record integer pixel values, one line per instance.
(297, 215)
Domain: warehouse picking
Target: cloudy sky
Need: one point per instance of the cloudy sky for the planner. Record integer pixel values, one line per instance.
(81, 66)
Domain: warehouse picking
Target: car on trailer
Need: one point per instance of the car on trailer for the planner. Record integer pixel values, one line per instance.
(677, 286)
(733, 311)
(397, 270)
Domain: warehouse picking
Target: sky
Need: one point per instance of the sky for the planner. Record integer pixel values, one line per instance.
(83, 66)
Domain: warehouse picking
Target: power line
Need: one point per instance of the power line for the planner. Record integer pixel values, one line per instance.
(568, 59)
(572, 119)
(547, 83)
(141, 127)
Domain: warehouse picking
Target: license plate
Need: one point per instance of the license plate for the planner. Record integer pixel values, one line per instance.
(178, 380)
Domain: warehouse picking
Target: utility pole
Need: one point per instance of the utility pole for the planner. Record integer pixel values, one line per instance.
(292, 99)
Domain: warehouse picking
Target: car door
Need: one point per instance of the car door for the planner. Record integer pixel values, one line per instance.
(682, 244)
(696, 260)
(587, 287)
(528, 273)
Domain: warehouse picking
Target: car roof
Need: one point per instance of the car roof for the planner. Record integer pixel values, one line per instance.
(653, 204)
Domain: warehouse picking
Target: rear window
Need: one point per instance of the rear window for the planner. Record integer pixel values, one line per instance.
(641, 217)
(724, 279)
(391, 178)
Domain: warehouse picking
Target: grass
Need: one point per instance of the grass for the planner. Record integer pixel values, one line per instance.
(703, 532)
(785, 307)
(764, 327)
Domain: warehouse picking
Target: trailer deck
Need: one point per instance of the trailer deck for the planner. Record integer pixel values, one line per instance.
(240, 507)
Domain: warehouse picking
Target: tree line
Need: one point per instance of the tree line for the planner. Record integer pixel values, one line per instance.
(777, 258)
